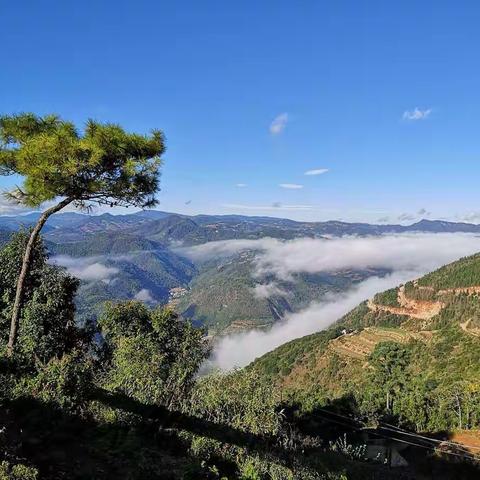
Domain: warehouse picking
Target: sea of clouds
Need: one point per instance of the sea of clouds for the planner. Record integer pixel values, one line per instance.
(85, 268)
(407, 256)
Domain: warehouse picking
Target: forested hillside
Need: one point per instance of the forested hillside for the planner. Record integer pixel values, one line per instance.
(226, 295)
(132, 405)
(409, 357)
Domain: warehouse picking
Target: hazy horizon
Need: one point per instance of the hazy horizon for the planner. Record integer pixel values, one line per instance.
(116, 211)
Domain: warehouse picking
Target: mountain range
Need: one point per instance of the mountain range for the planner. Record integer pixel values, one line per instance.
(201, 228)
(138, 256)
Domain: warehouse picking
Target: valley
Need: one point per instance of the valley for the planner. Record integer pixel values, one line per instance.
(144, 256)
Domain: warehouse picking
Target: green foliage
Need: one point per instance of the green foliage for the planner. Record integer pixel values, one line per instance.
(355, 452)
(362, 317)
(250, 471)
(103, 164)
(413, 292)
(388, 376)
(460, 274)
(47, 327)
(282, 360)
(150, 355)
(241, 400)
(11, 263)
(388, 298)
(459, 309)
(17, 472)
(65, 381)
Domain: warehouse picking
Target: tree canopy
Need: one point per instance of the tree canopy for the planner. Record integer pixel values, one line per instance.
(48, 327)
(102, 164)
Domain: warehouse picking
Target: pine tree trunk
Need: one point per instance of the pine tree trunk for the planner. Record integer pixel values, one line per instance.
(27, 259)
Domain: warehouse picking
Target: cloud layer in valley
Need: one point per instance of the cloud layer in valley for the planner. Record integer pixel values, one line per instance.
(144, 295)
(85, 268)
(407, 256)
(266, 290)
(240, 349)
(313, 255)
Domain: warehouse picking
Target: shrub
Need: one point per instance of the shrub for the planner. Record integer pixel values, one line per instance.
(17, 472)
(66, 381)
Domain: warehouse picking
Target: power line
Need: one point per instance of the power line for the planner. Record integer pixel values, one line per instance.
(405, 432)
(402, 432)
(398, 429)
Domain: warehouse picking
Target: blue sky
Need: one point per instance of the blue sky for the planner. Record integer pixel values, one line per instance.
(382, 94)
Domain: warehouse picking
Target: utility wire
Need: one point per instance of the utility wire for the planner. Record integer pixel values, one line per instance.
(402, 432)
(399, 430)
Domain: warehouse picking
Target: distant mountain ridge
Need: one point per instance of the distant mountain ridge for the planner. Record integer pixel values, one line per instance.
(173, 227)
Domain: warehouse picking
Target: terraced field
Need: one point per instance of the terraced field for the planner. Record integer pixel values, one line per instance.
(360, 344)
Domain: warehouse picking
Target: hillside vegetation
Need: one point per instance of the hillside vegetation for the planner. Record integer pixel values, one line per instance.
(222, 296)
(410, 356)
(132, 405)
(460, 274)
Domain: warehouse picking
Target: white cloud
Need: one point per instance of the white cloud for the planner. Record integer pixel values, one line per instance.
(278, 124)
(240, 349)
(144, 295)
(318, 171)
(416, 114)
(11, 208)
(267, 290)
(313, 255)
(84, 269)
(273, 206)
(225, 248)
(291, 186)
(408, 256)
(241, 185)
(405, 217)
(397, 252)
(472, 217)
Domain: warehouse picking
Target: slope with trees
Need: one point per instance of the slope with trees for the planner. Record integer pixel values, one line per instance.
(419, 374)
(122, 399)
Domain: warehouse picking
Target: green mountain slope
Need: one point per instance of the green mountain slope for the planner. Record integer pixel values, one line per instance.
(138, 267)
(103, 243)
(197, 230)
(226, 294)
(411, 355)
